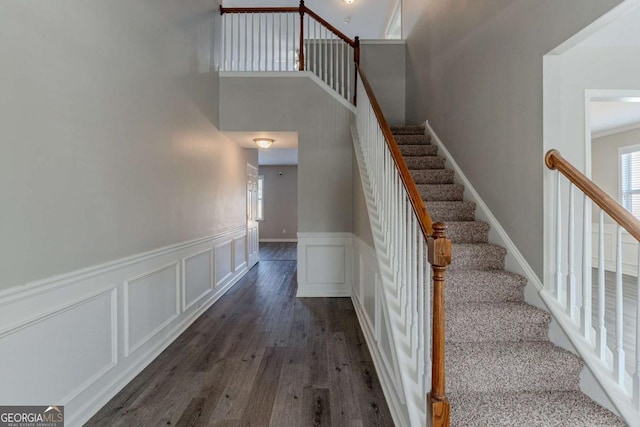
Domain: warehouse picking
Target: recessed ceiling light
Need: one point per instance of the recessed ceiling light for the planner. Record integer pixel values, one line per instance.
(349, 1)
(263, 142)
(347, 19)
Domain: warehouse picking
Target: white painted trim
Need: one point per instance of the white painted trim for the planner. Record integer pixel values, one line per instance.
(597, 368)
(613, 131)
(112, 369)
(385, 368)
(130, 348)
(336, 257)
(609, 17)
(285, 74)
(278, 240)
(24, 291)
(186, 306)
(515, 261)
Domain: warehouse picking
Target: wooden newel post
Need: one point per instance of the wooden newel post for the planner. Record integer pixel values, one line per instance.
(301, 51)
(439, 258)
(356, 59)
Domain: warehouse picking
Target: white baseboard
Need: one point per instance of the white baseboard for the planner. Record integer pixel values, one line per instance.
(278, 240)
(101, 326)
(367, 300)
(325, 264)
(515, 261)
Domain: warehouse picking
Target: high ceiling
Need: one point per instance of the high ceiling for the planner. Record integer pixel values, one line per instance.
(368, 18)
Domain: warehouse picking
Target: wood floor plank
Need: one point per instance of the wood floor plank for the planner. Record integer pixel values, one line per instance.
(259, 357)
(317, 408)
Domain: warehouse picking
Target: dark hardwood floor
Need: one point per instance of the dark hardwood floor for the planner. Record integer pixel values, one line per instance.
(278, 251)
(259, 357)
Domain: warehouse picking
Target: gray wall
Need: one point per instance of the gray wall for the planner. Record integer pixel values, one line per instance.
(280, 196)
(474, 70)
(297, 103)
(383, 62)
(107, 126)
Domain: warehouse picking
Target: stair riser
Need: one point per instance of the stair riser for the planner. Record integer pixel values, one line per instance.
(419, 150)
(495, 322)
(459, 213)
(483, 286)
(477, 258)
(433, 176)
(447, 192)
(412, 139)
(424, 162)
(509, 369)
(407, 130)
(468, 232)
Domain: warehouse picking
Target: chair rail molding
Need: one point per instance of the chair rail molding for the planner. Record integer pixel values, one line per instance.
(102, 325)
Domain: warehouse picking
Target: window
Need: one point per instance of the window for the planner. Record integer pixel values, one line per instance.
(260, 215)
(630, 179)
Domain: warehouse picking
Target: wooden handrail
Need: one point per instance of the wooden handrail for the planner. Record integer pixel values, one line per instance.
(224, 10)
(439, 256)
(302, 9)
(330, 27)
(424, 219)
(554, 160)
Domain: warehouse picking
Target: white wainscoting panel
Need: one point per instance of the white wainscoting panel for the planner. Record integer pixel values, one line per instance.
(240, 253)
(325, 264)
(54, 356)
(629, 249)
(197, 281)
(376, 326)
(78, 339)
(151, 302)
(224, 262)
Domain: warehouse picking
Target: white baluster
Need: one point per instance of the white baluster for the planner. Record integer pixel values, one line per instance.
(342, 61)
(636, 375)
(223, 64)
(559, 288)
(253, 46)
(260, 42)
(279, 42)
(349, 53)
(326, 59)
(237, 59)
(331, 59)
(586, 269)
(618, 357)
(246, 41)
(601, 336)
(571, 277)
(286, 42)
(273, 42)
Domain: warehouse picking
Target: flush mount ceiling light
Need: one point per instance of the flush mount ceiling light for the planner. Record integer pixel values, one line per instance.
(349, 1)
(263, 142)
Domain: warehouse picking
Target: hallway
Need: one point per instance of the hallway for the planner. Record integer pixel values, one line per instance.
(260, 357)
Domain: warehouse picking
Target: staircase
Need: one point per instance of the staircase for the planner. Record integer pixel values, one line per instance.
(501, 367)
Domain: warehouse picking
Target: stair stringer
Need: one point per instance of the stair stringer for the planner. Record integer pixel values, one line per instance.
(413, 374)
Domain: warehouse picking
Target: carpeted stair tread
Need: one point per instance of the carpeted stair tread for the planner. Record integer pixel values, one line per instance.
(468, 231)
(433, 176)
(528, 409)
(477, 256)
(451, 211)
(495, 321)
(477, 285)
(412, 140)
(510, 367)
(408, 130)
(424, 162)
(418, 150)
(441, 192)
